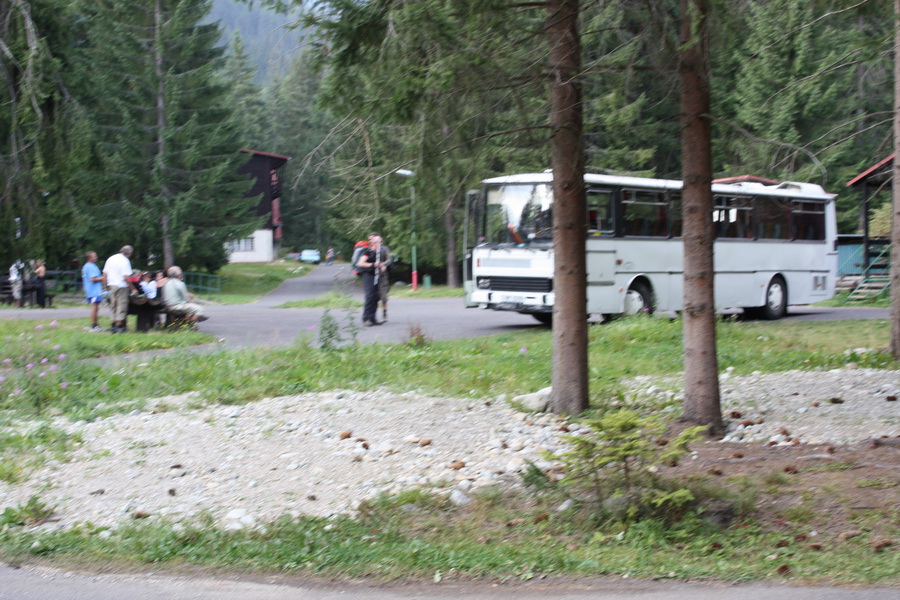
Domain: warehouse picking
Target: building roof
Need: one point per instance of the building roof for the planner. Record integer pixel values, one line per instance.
(877, 170)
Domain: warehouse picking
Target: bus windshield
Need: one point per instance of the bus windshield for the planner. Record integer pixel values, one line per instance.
(518, 214)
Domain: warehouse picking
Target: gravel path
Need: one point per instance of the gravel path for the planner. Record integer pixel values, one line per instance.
(321, 454)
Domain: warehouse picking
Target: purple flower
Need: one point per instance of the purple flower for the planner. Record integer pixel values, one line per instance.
(18, 391)
(53, 323)
(62, 356)
(56, 347)
(38, 326)
(52, 367)
(42, 374)
(64, 385)
(44, 361)
(2, 378)
(29, 365)
(523, 350)
(6, 361)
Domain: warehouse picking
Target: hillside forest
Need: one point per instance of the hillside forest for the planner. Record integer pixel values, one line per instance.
(121, 121)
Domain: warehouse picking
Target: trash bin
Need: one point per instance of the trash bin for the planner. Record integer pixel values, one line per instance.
(426, 282)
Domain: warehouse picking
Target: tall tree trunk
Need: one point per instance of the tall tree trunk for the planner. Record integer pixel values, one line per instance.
(161, 127)
(570, 381)
(895, 222)
(701, 382)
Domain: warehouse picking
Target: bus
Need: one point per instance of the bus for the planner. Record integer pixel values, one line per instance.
(776, 244)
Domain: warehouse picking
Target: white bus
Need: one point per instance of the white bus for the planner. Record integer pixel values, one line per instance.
(775, 245)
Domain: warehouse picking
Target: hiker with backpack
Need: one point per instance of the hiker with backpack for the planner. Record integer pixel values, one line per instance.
(368, 266)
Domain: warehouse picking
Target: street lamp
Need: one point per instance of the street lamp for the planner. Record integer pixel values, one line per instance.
(412, 196)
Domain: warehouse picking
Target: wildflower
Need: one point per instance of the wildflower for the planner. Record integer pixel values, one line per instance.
(29, 366)
(64, 385)
(18, 391)
(52, 367)
(38, 326)
(53, 323)
(523, 350)
(56, 347)
(62, 356)
(44, 361)
(2, 378)
(6, 361)
(42, 374)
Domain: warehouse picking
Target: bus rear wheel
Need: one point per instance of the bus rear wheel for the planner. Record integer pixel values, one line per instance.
(776, 302)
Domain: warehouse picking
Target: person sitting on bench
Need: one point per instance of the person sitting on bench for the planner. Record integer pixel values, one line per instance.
(178, 300)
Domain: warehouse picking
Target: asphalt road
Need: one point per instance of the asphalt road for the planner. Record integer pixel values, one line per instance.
(38, 583)
(263, 324)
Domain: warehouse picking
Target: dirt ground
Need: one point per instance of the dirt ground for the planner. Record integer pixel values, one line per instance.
(834, 491)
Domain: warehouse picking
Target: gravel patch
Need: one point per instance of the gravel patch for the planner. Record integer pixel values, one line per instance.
(322, 454)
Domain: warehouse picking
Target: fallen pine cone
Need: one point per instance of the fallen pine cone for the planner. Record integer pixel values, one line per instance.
(457, 464)
(791, 469)
(345, 434)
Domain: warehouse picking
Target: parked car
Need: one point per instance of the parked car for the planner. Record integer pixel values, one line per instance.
(311, 256)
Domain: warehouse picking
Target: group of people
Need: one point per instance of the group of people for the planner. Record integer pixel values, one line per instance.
(123, 286)
(371, 263)
(34, 274)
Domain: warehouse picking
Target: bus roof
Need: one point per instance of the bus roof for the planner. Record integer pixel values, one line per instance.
(792, 189)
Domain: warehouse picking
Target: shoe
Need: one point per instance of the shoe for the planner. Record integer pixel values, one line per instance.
(202, 318)
(115, 329)
(384, 317)
(368, 323)
(95, 329)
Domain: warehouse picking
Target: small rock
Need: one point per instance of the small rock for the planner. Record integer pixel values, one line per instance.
(565, 505)
(460, 498)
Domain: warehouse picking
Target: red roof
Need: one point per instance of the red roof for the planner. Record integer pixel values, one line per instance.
(261, 153)
(865, 174)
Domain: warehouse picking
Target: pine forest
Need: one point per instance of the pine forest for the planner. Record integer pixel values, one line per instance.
(121, 121)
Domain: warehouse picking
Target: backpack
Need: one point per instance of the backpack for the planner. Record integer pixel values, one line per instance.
(357, 250)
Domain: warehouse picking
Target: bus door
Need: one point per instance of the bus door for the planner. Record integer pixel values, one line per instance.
(469, 242)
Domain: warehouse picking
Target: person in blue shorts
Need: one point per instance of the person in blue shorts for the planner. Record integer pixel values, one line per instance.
(92, 280)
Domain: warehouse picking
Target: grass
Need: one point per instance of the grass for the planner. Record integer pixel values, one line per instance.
(499, 536)
(502, 534)
(882, 300)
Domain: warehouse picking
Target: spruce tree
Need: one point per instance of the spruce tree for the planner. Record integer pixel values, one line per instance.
(169, 134)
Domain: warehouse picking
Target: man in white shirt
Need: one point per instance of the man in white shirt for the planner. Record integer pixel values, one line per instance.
(117, 271)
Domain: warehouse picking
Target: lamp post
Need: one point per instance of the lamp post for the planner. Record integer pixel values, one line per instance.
(412, 201)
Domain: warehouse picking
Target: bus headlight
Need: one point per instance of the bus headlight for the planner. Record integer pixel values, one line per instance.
(484, 283)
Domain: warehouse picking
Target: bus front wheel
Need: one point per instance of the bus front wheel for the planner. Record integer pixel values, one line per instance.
(776, 302)
(545, 318)
(638, 300)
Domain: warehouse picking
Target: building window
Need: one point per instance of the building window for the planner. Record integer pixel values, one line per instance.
(244, 245)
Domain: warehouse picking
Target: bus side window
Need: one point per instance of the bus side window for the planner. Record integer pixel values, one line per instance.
(732, 217)
(675, 214)
(808, 220)
(644, 214)
(772, 219)
(599, 217)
